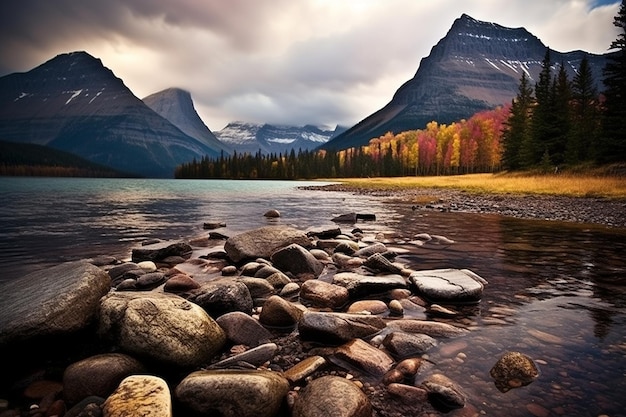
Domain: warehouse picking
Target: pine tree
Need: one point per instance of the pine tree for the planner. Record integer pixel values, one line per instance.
(584, 134)
(613, 139)
(517, 138)
(561, 117)
(542, 122)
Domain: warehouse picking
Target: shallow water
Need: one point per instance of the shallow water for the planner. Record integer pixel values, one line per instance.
(551, 291)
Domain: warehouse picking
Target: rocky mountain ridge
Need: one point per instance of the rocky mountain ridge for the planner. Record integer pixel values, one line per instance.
(476, 66)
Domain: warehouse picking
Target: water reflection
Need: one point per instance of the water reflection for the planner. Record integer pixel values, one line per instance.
(556, 292)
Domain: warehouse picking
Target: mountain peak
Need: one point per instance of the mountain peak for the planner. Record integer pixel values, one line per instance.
(176, 105)
(476, 66)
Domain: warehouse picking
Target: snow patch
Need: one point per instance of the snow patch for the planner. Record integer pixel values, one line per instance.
(75, 94)
(96, 96)
(492, 64)
(22, 95)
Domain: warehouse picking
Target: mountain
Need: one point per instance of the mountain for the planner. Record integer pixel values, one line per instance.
(75, 104)
(254, 137)
(476, 66)
(176, 105)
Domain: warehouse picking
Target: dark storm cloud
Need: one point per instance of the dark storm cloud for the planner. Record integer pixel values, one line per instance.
(277, 61)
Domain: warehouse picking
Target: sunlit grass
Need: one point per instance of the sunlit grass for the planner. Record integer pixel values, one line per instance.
(575, 185)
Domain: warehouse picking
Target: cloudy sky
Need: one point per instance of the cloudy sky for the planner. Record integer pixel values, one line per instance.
(323, 62)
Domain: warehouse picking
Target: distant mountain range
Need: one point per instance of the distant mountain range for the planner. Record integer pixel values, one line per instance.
(267, 139)
(476, 66)
(73, 103)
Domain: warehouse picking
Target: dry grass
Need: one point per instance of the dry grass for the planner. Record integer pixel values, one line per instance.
(575, 185)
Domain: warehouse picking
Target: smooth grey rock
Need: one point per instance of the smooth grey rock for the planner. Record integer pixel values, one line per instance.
(332, 396)
(161, 327)
(449, 285)
(233, 393)
(53, 301)
(262, 242)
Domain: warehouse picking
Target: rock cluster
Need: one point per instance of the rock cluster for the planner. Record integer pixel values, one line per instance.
(280, 322)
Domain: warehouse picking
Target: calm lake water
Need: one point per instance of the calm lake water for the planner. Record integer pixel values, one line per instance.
(551, 291)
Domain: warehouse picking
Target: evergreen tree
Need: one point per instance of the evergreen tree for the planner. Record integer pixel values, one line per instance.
(542, 121)
(517, 138)
(561, 117)
(582, 143)
(613, 139)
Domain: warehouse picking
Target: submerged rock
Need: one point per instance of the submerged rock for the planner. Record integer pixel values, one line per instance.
(513, 370)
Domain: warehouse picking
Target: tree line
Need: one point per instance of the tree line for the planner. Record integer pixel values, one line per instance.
(467, 146)
(558, 122)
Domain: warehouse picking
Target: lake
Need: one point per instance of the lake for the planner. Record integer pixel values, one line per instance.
(552, 290)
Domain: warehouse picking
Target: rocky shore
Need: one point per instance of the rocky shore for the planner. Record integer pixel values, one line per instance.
(593, 210)
(274, 321)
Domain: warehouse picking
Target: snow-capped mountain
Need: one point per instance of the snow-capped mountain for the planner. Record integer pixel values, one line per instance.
(476, 66)
(265, 138)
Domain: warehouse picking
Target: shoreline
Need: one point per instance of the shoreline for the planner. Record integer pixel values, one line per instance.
(587, 210)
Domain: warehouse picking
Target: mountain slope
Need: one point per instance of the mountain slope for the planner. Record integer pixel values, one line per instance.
(476, 66)
(75, 104)
(176, 105)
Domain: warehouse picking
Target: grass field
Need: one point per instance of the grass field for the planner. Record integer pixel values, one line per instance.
(568, 184)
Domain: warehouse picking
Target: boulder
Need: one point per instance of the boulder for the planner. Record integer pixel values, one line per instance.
(359, 285)
(448, 285)
(262, 242)
(160, 327)
(296, 260)
(242, 329)
(97, 375)
(337, 328)
(139, 395)
(443, 393)
(232, 393)
(430, 328)
(364, 357)
(278, 312)
(404, 345)
(323, 294)
(53, 301)
(160, 251)
(222, 296)
(332, 396)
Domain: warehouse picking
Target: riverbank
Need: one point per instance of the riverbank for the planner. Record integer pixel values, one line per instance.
(600, 210)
